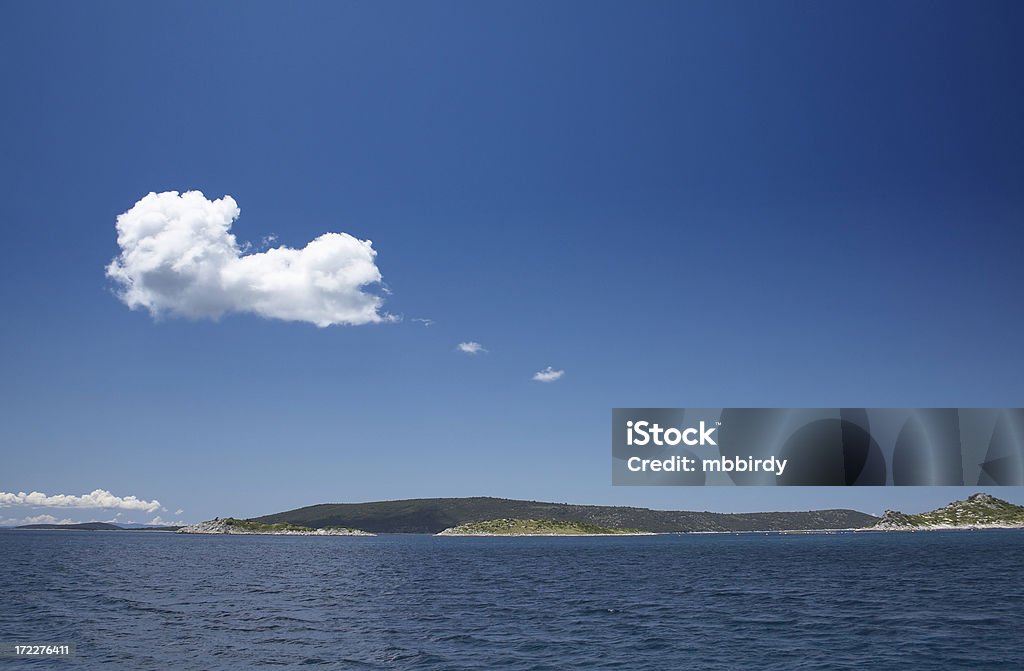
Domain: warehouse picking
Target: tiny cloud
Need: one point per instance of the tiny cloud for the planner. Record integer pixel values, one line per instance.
(549, 374)
(178, 257)
(470, 347)
(98, 498)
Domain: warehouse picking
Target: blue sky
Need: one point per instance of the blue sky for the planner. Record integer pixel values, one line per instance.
(699, 204)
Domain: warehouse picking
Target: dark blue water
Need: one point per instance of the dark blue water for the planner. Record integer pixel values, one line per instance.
(941, 600)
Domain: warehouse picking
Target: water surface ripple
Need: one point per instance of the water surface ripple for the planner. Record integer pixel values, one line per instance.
(144, 600)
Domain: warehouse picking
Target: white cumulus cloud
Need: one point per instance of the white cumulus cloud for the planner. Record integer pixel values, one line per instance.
(470, 347)
(549, 374)
(98, 498)
(161, 522)
(178, 257)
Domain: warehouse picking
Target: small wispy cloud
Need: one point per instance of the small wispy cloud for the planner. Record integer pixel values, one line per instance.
(470, 347)
(98, 498)
(549, 374)
(423, 320)
(179, 511)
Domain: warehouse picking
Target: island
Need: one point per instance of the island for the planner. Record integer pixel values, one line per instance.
(516, 527)
(430, 516)
(487, 516)
(233, 526)
(978, 511)
(94, 526)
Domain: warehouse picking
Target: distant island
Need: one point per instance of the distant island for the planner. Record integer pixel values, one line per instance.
(514, 527)
(431, 516)
(487, 516)
(231, 525)
(94, 526)
(978, 511)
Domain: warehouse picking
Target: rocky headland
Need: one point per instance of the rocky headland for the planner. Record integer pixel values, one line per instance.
(230, 525)
(978, 511)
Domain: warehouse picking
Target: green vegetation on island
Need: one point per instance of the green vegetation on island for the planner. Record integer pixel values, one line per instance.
(259, 527)
(434, 515)
(977, 511)
(514, 527)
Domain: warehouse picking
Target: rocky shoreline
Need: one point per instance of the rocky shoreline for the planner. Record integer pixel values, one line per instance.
(453, 533)
(940, 527)
(509, 527)
(241, 528)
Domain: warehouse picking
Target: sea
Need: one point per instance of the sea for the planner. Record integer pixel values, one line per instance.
(151, 600)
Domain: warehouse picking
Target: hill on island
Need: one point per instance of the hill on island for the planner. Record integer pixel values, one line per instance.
(431, 516)
(977, 511)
